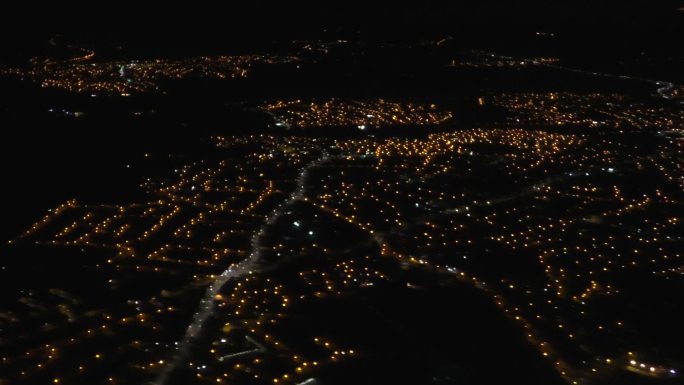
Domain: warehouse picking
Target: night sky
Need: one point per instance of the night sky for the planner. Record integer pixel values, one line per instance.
(640, 22)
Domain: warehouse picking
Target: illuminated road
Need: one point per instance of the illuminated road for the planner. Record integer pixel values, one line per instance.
(663, 89)
(246, 266)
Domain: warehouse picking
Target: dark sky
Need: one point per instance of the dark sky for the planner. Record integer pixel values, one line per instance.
(112, 13)
(191, 22)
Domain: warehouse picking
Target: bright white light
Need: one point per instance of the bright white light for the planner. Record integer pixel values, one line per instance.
(295, 223)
